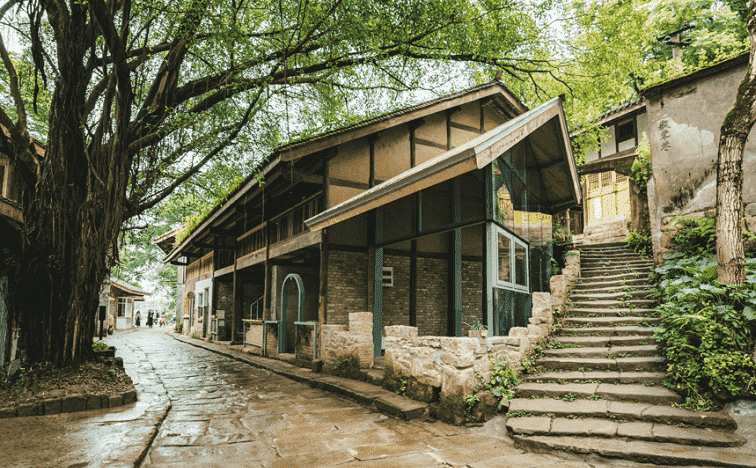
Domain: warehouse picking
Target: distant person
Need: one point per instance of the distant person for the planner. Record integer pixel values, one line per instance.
(162, 319)
(138, 318)
(149, 319)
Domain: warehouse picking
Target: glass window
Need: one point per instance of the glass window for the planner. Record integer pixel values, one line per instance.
(521, 265)
(505, 258)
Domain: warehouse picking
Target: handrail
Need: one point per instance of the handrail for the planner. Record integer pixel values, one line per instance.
(255, 305)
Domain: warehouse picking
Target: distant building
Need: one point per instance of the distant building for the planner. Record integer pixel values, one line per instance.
(120, 298)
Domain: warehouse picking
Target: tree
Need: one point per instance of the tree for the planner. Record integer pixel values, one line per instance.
(145, 94)
(733, 135)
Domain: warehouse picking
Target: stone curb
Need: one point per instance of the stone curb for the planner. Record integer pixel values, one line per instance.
(70, 404)
(363, 393)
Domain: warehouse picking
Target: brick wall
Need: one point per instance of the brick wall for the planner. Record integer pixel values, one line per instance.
(396, 299)
(432, 299)
(472, 294)
(347, 285)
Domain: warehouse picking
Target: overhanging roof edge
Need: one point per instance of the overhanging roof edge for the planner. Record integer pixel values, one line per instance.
(481, 148)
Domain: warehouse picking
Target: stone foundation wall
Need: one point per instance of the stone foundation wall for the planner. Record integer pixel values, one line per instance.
(353, 341)
(430, 368)
(304, 342)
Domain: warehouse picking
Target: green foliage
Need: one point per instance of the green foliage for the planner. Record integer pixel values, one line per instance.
(707, 332)
(588, 138)
(639, 242)
(502, 383)
(99, 346)
(641, 169)
(695, 236)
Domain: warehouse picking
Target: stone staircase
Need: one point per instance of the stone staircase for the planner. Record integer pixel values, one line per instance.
(599, 391)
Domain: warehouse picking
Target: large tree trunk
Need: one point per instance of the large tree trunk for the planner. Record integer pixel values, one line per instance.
(73, 213)
(733, 135)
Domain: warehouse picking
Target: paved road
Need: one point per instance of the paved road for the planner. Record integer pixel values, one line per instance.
(228, 413)
(200, 409)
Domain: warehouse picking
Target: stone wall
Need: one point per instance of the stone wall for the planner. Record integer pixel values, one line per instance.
(353, 341)
(430, 368)
(347, 285)
(684, 121)
(669, 227)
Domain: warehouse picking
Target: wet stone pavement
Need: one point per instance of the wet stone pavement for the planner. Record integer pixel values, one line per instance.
(200, 409)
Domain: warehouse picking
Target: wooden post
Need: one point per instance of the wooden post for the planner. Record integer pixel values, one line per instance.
(323, 300)
(371, 140)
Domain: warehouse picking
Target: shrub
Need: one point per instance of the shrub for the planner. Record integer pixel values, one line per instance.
(695, 236)
(639, 242)
(707, 332)
(99, 346)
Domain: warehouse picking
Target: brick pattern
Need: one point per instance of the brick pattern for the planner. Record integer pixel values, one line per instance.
(396, 299)
(472, 294)
(432, 296)
(347, 285)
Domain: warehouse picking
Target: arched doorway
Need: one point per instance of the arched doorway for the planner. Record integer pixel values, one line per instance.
(286, 326)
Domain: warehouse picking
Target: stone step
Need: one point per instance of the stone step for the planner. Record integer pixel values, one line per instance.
(578, 322)
(605, 304)
(611, 312)
(611, 341)
(603, 246)
(588, 364)
(644, 431)
(619, 256)
(607, 331)
(655, 378)
(614, 263)
(610, 294)
(623, 280)
(664, 454)
(600, 391)
(617, 410)
(603, 352)
(591, 289)
(614, 271)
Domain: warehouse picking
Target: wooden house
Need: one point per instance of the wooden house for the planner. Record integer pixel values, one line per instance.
(436, 216)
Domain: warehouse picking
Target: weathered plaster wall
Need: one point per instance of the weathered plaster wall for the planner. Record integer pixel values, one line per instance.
(684, 125)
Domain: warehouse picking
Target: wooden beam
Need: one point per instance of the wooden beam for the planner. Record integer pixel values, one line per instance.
(216, 231)
(433, 144)
(467, 128)
(177, 263)
(203, 245)
(295, 243)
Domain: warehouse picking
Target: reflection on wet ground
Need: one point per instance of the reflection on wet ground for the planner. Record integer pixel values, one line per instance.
(227, 413)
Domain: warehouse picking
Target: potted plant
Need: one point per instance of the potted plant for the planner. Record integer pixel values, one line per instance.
(478, 330)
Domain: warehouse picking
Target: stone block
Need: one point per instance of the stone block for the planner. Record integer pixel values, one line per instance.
(8, 412)
(541, 300)
(513, 341)
(538, 331)
(750, 209)
(456, 382)
(94, 402)
(73, 404)
(103, 400)
(52, 406)
(483, 366)
(459, 352)
(518, 332)
(750, 223)
(115, 400)
(27, 409)
(426, 371)
(400, 330)
(129, 397)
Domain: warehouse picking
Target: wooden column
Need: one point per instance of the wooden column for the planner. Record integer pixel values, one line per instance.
(454, 312)
(323, 300)
(371, 180)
